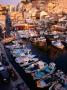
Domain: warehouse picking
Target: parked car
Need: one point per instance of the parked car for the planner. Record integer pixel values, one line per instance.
(4, 75)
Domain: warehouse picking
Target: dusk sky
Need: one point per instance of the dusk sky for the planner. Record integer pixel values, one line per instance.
(14, 2)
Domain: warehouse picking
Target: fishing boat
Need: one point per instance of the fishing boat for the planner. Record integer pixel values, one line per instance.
(59, 86)
(27, 61)
(17, 52)
(35, 66)
(49, 69)
(45, 82)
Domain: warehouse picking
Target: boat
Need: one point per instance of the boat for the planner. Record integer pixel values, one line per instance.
(49, 69)
(45, 82)
(31, 64)
(59, 86)
(17, 52)
(58, 44)
(27, 61)
(35, 66)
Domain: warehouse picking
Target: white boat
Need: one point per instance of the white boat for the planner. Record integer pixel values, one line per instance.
(35, 66)
(48, 69)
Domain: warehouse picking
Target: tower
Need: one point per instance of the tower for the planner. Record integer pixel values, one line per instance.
(8, 24)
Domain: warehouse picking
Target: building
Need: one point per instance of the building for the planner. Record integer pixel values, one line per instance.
(2, 21)
(3, 10)
(11, 8)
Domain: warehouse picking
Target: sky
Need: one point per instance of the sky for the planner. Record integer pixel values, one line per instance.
(12, 2)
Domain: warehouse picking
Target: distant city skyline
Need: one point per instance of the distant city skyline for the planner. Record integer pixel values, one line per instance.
(11, 2)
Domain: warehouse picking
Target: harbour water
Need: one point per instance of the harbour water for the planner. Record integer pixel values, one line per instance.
(61, 63)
